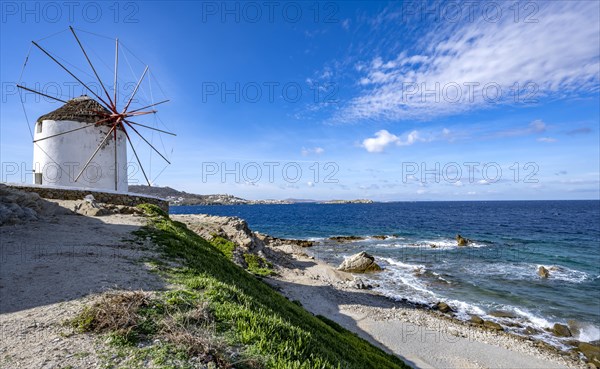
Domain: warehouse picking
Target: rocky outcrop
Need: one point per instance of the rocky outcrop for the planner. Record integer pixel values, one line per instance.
(462, 241)
(274, 241)
(360, 284)
(359, 263)
(341, 239)
(476, 319)
(561, 330)
(591, 352)
(543, 272)
(233, 229)
(17, 206)
(492, 325)
(89, 207)
(443, 307)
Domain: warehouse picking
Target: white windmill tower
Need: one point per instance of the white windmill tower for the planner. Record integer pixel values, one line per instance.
(83, 144)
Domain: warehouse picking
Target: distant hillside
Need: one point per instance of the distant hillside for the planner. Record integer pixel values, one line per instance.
(176, 197)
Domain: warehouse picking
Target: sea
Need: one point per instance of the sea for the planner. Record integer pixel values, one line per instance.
(415, 244)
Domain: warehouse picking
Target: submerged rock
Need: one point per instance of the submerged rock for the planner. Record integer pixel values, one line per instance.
(561, 330)
(529, 330)
(492, 325)
(359, 263)
(476, 319)
(462, 241)
(443, 307)
(502, 314)
(543, 272)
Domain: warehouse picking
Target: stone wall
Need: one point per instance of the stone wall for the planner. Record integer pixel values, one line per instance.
(129, 199)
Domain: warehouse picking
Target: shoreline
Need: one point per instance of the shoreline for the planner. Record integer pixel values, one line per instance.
(75, 258)
(422, 337)
(418, 324)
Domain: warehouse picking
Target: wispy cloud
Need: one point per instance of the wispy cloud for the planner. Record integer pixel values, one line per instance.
(480, 64)
(311, 151)
(579, 131)
(547, 139)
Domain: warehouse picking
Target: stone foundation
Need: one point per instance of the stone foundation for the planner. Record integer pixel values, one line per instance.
(128, 199)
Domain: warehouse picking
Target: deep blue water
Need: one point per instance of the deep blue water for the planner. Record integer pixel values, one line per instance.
(422, 262)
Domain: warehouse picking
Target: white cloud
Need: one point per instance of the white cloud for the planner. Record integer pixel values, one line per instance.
(314, 150)
(378, 143)
(558, 55)
(547, 139)
(383, 138)
(310, 184)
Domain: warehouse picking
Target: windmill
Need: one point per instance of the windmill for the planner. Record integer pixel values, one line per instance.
(90, 133)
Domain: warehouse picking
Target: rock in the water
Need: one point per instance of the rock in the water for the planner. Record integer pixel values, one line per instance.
(379, 237)
(574, 326)
(493, 325)
(346, 238)
(443, 307)
(561, 330)
(359, 263)
(502, 314)
(529, 330)
(476, 319)
(462, 241)
(591, 352)
(543, 272)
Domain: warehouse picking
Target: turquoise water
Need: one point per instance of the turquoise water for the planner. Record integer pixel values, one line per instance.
(423, 264)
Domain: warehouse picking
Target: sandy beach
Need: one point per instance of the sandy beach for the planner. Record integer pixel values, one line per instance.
(54, 265)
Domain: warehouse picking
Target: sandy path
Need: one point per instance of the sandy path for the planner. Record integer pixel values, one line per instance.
(47, 267)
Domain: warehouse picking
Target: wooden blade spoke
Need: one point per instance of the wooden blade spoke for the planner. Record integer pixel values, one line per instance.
(152, 128)
(130, 114)
(135, 90)
(72, 75)
(112, 105)
(137, 157)
(116, 69)
(39, 93)
(149, 144)
(149, 106)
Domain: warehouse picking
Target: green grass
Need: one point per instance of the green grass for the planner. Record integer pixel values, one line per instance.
(225, 246)
(264, 328)
(258, 265)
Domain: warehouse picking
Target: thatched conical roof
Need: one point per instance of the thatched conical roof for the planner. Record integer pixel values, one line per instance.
(80, 109)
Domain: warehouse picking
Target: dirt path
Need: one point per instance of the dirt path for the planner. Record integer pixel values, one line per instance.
(48, 270)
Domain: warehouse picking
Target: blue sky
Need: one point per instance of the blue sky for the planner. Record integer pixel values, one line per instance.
(387, 101)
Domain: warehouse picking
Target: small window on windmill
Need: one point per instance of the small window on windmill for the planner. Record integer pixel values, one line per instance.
(39, 127)
(38, 178)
